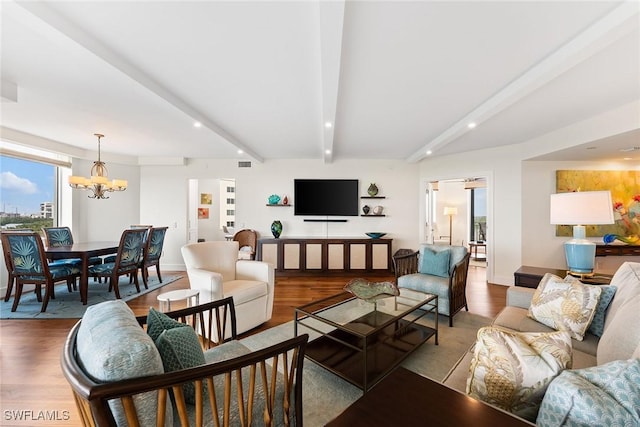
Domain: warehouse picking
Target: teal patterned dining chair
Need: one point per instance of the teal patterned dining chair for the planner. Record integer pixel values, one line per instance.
(152, 252)
(127, 260)
(62, 236)
(30, 267)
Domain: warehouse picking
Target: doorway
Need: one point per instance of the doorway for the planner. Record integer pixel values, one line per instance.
(211, 208)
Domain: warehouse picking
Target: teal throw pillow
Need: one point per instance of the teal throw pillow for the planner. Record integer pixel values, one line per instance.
(435, 263)
(180, 349)
(597, 324)
(157, 322)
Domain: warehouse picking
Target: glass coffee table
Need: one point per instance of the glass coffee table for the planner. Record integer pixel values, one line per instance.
(363, 342)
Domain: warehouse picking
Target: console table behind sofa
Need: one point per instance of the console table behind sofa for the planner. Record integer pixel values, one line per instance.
(315, 255)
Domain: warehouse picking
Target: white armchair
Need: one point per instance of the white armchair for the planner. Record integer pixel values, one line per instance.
(214, 269)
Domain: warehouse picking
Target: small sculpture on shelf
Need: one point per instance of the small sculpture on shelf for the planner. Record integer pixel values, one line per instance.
(378, 210)
(285, 201)
(373, 189)
(274, 199)
(366, 209)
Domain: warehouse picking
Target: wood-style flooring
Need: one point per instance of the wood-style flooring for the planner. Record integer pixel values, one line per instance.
(33, 391)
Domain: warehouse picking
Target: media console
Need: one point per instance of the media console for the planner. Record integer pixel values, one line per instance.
(295, 256)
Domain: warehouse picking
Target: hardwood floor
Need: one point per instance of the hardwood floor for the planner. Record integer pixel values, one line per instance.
(33, 391)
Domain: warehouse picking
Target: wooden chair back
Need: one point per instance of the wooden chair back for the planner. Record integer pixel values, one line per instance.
(247, 237)
(267, 381)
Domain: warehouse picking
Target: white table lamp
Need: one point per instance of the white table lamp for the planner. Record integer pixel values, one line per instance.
(579, 209)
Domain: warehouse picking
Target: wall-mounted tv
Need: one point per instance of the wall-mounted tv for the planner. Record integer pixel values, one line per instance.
(326, 197)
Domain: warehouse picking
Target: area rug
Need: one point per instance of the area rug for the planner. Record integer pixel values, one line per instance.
(67, 304)
(325, 395)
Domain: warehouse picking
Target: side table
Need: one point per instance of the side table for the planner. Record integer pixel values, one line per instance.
(178, 295)
(529, 277)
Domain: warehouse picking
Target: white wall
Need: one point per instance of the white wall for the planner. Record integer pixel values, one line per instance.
(396, 180)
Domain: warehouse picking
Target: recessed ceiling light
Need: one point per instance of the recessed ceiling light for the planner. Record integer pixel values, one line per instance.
(327, 151)
(197, 124)
(240, 152)
(627, 158)
(429, 152)
(328, 125)
(471, 125)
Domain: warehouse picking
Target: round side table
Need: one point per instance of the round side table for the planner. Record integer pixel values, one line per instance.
(190, 295)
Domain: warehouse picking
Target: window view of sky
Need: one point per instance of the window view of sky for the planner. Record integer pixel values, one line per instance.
(24, 185)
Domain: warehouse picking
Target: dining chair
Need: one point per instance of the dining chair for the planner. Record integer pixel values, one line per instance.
(29, 266)
(247, 240)
(62, 236)
(152, 252)
(9, 263)
(127, 260)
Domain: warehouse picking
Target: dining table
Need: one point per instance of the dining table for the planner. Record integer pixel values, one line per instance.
(83, 251)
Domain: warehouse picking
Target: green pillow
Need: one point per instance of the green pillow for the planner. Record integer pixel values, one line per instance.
(180, 349)
(157, 322)
(435, 263)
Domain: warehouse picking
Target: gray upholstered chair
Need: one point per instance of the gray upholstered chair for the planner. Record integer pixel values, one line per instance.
(434, 269)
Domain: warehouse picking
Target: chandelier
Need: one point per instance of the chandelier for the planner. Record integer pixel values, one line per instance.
(99, 182)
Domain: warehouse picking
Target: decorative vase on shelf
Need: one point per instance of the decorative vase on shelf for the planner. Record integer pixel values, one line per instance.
(373, 189)
(366, 209)
(276, 229)
(378, 210)
(274, 199)
(285, 201)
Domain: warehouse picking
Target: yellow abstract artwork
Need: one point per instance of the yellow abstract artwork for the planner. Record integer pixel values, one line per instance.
(625, 195)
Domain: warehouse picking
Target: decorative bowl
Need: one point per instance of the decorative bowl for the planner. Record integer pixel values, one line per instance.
(375, 234)
(371, 291)
(274, 199)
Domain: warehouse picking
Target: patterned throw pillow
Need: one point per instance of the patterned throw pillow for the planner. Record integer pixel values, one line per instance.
(158, 322)
(512, 370)
(597, 324)
(179, 349)
(604, 395)
(435, 263)
(565, 305)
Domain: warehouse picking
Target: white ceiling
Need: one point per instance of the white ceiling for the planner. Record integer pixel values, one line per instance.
(393, 78)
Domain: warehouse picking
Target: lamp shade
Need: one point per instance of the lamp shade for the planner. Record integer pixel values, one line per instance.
(450, 211)
(581, 208)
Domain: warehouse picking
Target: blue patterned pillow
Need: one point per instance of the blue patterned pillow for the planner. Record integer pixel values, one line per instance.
(597, 324)
(604, 395)
(435, 263)
(180, 349)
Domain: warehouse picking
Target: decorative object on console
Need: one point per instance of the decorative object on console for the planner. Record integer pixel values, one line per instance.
(450, 212)
(375, 234)
(373, 189)
(276, 229)
(366, 209)
(274, 199)
(371, 291)
(579, 209)
(378, 210)
(99, 182)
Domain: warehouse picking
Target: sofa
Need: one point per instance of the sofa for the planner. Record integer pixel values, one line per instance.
(580, 391)
(214, 269)
(154, 370)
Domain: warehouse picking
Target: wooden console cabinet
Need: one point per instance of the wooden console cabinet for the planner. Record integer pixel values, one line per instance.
(314, 255)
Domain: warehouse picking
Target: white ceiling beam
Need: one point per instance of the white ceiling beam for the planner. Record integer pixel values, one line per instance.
(331, 16)
(64, 26)
(610, 28)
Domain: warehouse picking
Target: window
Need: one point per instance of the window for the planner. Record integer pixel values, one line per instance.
(231, 201)
(231, 189)
(478, 214)
(231, 212)
(31, 191)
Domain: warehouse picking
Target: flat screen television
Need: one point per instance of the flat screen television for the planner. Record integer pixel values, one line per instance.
(325, 197)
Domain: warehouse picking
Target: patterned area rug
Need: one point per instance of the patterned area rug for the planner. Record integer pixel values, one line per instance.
(327, 395)
(67, 304)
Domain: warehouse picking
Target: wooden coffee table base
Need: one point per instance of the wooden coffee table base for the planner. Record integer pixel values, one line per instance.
(405, 398)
